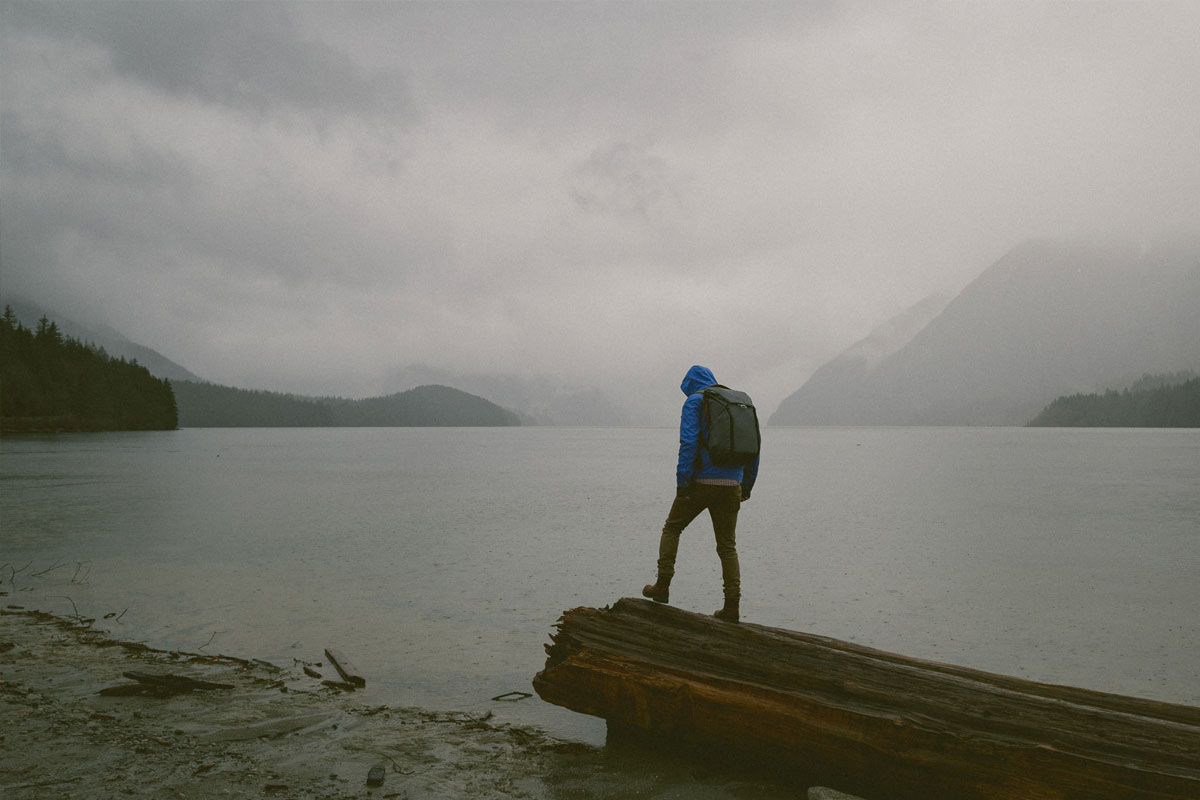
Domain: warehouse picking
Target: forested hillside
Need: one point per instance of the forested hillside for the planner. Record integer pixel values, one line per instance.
(50, 382)
(1153, 402)
(205, 405)
(423, 406)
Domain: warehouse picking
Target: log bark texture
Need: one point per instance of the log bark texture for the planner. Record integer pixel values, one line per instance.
(816, 710)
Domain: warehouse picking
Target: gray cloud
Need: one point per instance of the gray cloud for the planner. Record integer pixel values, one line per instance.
(249, 55)
(306, 196)
(623, 179)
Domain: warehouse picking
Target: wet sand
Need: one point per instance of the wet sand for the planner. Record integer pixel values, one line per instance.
(279, 732)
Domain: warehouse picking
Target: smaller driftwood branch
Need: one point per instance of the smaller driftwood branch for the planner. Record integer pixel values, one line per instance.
(347, 670)
(148, 685)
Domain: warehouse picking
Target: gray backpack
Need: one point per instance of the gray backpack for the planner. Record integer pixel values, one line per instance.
(733, 438)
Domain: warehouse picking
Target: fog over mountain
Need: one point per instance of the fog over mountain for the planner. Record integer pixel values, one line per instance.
(822, 399)
(539, 400)
(536, 401)
(99, 334)
(587, 197)
(1047, 319)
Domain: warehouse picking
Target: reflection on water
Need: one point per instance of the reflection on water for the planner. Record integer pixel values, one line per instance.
(439, 559)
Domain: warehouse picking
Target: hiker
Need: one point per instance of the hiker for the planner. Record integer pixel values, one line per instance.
(700, 485)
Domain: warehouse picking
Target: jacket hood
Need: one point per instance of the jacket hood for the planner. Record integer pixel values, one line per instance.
(697, 378)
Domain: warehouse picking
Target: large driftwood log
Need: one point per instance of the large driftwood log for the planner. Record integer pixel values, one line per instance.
(817, 710)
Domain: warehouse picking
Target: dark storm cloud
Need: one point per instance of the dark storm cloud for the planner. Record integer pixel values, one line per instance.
(27, 154)
(249, 55)
(151, 185)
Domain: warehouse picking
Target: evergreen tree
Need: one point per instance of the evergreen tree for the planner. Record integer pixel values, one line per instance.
(51, 382)
(1153, 402)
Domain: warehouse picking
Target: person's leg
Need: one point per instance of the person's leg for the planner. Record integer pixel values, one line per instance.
(683, 511)
(724, 512)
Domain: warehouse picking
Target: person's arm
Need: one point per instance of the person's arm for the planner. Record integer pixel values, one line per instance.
(749, 476)
(689, 444)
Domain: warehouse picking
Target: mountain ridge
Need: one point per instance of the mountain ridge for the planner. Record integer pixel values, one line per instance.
(826, 388)
(206, 405)
(1050, 317)
(537, 400)
(202, 403)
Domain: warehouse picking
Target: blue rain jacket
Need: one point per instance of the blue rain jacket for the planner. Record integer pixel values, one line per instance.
(693, 458)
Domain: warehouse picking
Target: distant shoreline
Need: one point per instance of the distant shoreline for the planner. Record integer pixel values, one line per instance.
(272, 730)
(67, 424)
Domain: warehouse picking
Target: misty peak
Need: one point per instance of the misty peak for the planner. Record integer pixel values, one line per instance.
(1050, 317)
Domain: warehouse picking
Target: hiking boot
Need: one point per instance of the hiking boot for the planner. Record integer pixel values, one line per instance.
(659, 592)
(730, 612)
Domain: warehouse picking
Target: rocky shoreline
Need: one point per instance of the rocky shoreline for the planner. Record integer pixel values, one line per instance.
(267, 731)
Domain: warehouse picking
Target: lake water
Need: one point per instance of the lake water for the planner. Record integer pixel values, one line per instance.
(439, 560)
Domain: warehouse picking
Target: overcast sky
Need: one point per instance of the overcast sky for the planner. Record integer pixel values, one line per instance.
(301, 197)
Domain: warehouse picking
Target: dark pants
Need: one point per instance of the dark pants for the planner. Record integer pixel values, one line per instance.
(722, 503)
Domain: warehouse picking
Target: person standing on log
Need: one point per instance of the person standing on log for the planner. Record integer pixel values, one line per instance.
(700, 485)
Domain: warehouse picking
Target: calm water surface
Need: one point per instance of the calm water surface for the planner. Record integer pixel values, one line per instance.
(439, 560)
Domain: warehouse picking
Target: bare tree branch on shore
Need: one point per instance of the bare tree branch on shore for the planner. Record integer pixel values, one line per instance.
(47, 569)
(13, 571)
(78, 617)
